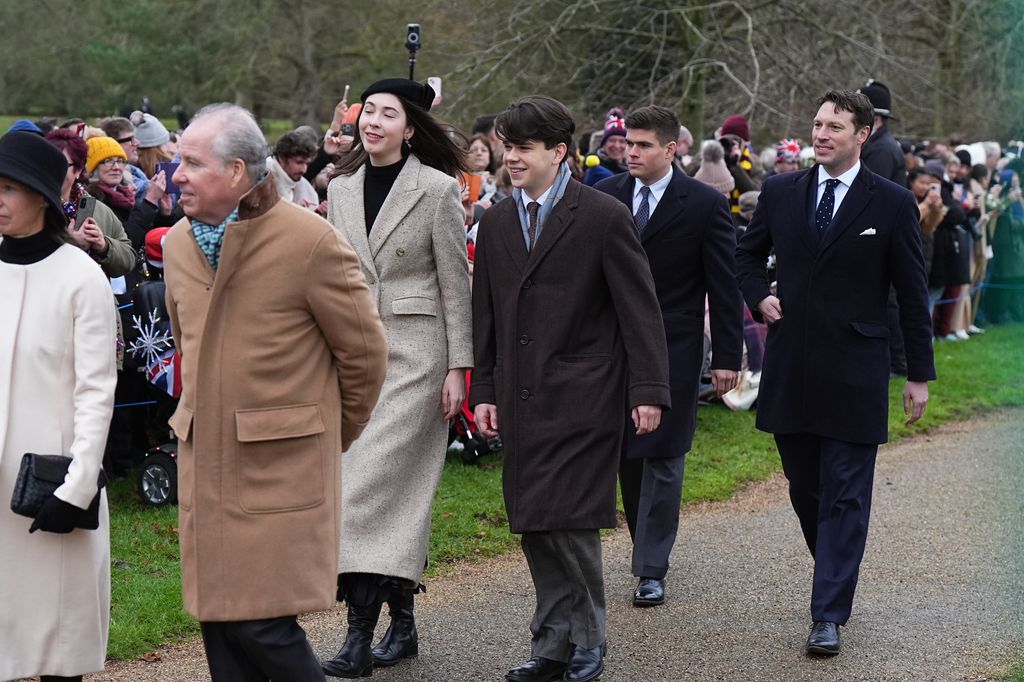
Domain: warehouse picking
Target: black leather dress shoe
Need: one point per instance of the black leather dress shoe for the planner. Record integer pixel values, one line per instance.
(649, 592)
(585, 664)
(537, 669)
(824, 639)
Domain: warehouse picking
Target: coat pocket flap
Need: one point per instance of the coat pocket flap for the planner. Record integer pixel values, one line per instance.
(181, 422)
(875, 330)
(414, 305)
(277, 423)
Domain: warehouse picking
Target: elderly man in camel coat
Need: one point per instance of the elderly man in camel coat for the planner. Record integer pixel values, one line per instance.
(283, 356)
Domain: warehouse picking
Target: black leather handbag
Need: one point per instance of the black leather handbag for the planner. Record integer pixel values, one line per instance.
(39, 476)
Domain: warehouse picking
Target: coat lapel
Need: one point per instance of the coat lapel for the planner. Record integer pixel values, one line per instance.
(353, 216)
(507, 222)
(400, 200)
(558, 222)
(857, 198)
(805, 184)
(254, 204)
(671, 204)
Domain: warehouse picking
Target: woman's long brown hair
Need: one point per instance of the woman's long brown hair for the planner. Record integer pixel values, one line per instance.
(431, 144)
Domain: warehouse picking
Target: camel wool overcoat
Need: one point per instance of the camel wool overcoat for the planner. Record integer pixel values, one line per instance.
(283, 356)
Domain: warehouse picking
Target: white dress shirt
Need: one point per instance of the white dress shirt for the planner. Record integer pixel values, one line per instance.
(657, 191)
(845, 180)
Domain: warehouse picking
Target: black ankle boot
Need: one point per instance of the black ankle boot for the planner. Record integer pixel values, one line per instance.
(355, 659)
(400, 641)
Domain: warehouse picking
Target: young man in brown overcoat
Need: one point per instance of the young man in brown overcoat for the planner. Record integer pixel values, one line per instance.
(283, 357)
(568, 339)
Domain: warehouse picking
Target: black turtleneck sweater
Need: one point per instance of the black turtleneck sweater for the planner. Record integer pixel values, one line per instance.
(28, 250)
(376, 186)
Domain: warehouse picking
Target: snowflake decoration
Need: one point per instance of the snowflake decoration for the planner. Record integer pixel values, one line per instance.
(151, 343)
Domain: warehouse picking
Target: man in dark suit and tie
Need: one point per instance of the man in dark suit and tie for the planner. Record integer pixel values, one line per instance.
(690, 241)
(841, 235)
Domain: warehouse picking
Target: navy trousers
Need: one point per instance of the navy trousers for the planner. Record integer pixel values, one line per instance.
(259, 651)
(830, 485)
(652, 489)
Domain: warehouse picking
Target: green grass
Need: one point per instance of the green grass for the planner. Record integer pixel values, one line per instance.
(469, 516)
(145, 576)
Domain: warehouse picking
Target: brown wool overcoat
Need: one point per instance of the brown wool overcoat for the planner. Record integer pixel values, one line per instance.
(554, 333)
(283, 356)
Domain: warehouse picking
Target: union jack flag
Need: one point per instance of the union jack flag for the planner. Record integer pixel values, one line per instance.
(165, 372)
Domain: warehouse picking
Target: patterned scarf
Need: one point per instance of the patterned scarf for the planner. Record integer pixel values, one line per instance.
(211, 237)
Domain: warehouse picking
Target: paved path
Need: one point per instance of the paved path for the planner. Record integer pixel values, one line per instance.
(940, 596)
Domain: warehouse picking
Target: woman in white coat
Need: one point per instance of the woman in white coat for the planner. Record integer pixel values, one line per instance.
(396, 198)
(57, 377)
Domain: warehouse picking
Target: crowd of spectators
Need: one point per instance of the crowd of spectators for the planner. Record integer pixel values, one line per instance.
(972, 215)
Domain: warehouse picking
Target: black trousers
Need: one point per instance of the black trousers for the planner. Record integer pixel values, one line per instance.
(569, 579)
(260, 650)
(830, 487)
(652, 489)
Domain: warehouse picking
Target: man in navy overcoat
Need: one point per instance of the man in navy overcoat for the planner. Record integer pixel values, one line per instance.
(687, 232)
(841, 235)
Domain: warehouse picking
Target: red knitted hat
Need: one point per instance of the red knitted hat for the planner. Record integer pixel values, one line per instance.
(736, 125)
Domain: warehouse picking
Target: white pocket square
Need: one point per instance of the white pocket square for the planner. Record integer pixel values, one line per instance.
(870, 230)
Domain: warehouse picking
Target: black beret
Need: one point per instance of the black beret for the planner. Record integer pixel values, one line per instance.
(420, 94)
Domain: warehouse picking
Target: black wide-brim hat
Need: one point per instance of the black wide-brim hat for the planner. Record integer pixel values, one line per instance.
(30, 160)
(420, 94)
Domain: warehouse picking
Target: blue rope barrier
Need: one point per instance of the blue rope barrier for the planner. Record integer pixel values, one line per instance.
(147, 402)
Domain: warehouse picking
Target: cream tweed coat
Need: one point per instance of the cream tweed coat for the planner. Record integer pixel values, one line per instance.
(415, 264)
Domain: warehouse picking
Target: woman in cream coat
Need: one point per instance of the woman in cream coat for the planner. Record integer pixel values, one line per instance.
(396, 199)
(57, 377)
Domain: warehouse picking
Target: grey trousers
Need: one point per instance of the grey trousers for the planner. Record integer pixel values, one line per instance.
(569, 579)
(652, 489)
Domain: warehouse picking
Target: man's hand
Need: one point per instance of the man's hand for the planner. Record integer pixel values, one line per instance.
(486, 417)
(915, 399)
(724, 380)
(646, 418)
(771, 309)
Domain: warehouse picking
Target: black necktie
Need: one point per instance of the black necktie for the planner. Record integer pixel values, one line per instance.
(823, 216)
(532, 208)
(643, 211)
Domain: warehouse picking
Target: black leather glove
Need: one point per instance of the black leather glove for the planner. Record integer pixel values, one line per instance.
(55, 516)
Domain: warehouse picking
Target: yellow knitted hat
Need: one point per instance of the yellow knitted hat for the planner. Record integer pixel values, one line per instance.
(100, 149)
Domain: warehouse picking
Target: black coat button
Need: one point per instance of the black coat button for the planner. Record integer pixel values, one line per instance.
(524, 394)
(527, 284)
(524, 339)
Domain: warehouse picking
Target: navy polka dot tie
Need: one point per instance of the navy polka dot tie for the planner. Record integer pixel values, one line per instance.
(823, 216)
(643, 211)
